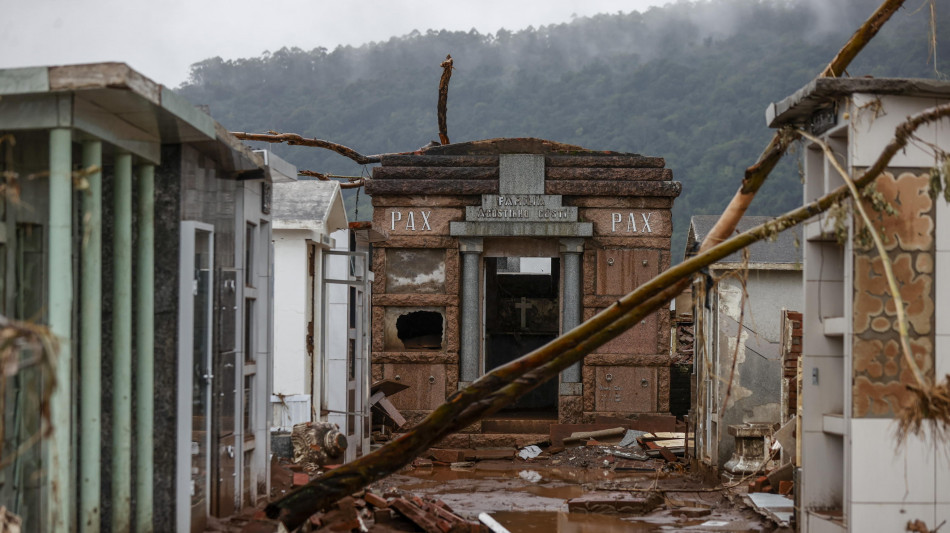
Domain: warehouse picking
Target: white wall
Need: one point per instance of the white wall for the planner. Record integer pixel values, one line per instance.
(291, 361)
(335, 381)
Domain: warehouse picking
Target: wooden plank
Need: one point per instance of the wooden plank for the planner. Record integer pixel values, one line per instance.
(436, 173)
(561, 431)
(392, 412)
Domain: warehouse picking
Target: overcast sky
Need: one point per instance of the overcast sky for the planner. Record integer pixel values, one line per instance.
(162, 38)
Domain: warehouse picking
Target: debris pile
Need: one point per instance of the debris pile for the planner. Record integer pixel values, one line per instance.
(367, 511)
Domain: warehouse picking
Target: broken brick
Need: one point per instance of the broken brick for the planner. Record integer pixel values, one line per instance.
(375, 500)
(301, 479)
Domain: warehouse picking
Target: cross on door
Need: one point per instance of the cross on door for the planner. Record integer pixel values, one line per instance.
(524, 309)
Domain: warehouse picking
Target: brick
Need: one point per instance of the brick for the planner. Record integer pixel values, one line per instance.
(447, 455)
(376, 500)
(301, 479)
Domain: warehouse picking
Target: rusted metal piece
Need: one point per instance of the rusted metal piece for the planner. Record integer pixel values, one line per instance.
(444, 97)
(317, 443)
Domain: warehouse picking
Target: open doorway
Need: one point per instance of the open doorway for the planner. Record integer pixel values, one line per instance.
(522, 313)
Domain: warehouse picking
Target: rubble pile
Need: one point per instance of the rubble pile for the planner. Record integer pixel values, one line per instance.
(396, 511)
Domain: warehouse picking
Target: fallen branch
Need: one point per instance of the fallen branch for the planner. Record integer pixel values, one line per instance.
(352, 183)
(502, 385)
(294, 139)
(756, 174)
(444, 97)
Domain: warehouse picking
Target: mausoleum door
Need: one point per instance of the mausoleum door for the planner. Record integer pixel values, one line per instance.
(522, 313)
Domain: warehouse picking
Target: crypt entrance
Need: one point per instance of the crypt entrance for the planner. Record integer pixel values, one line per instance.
(522, 313)
(506, 244)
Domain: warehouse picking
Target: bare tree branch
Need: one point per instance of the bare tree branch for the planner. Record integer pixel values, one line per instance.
(295, 139)
(444, 97)
(499, 387)
(353, 183)
(756, 174)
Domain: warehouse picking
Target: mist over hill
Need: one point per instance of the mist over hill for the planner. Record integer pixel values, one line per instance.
(689, 82)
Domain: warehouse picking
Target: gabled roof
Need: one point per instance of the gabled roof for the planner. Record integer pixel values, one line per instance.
(785, 251)
(309, 205)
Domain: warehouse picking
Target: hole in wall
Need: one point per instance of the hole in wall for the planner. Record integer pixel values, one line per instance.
(420, 330)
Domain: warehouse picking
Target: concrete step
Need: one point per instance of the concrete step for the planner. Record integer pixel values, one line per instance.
(517, 425)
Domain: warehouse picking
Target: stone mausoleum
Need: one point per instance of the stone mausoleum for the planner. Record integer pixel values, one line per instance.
(493, 248)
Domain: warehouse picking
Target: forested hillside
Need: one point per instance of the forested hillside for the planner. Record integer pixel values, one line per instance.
(689, 82)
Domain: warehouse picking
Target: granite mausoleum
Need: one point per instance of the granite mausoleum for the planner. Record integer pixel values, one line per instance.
(493, 248)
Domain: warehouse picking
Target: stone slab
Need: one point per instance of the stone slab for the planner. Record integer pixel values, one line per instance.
(521, 229)
(614, 502)
(521, 174)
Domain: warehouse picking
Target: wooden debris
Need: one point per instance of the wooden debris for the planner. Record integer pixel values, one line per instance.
(402, 512)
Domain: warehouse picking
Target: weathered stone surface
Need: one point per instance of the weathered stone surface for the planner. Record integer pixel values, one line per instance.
(414, 271)
(415, 357)
(377, 370)
(452, 271)
(629, 222)
(521, 229)
(439, 160)
(589, 388)
(418, 241)
(404, 186)
(377, 326)
(604, 161)
(614, 359)
(620, 271)
(415, 200)
(451, 332)
(640, 339)
(633, 174)
(607, 188)
(426, 385)
(379, 270)
(435, 173)
(614, 502)
(415, 300)
(663, 388)
(658, 243)
(570, 409)
(416, 221)
(625, 388)
(451, 378)
(628, 202)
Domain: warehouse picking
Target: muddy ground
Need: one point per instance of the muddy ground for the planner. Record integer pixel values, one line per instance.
(607, 494)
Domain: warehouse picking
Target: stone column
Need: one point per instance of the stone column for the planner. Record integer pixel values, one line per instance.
(470, 334)
(572, 251)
